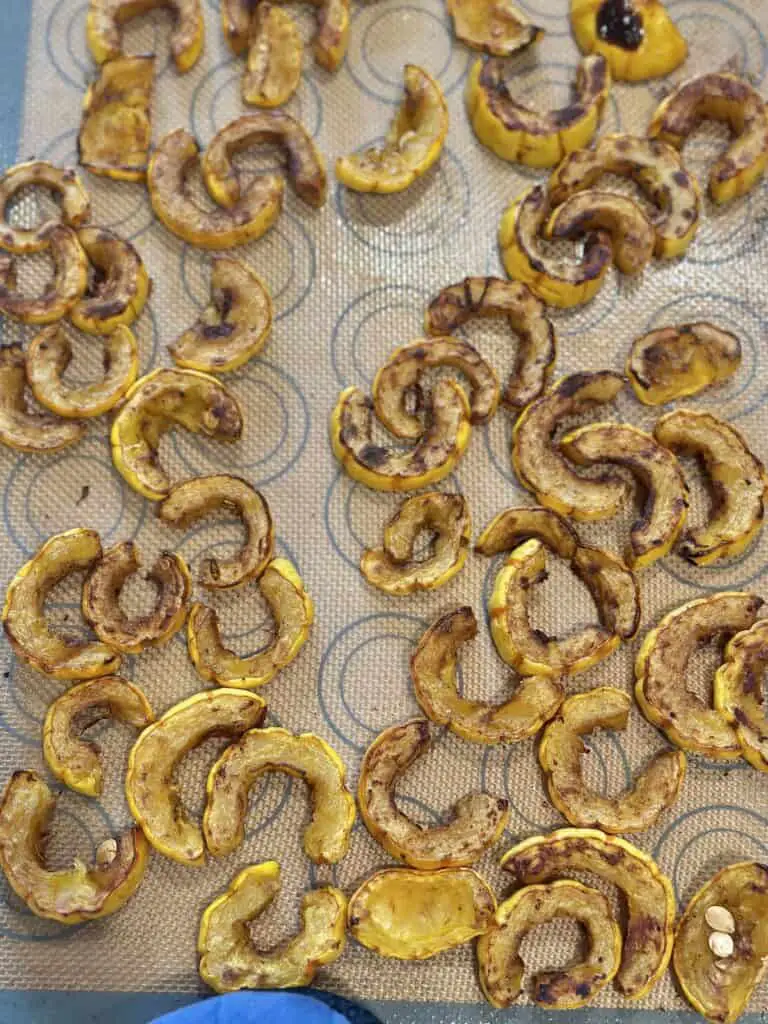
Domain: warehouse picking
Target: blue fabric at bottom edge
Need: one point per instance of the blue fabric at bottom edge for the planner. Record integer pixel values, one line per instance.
(142, 1007)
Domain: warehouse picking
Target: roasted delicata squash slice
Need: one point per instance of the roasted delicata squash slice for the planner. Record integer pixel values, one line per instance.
(275, 52)
(430, 460)
(734, 475)
(118, 284)
(234, 327)
(229, 958)
(516, 133)
(675, 362)
(21, 427)
(510, 528)
(434, 665)
(157, 402)
(637, 37)
(151, 793)
(305, 756)
(541, 466)
(560, 752)
(24, 621)
(70, 279)
(73, 759)
(412, 144)
(499, 29)
(116, 128)
(649, 896)
(476, 822)
(526, 649)
(661, 672)
(106, 17)
(293, 612)
(236, 24)
(194, 499)
(501, 968)
(394, 569)
(66, 185)
(304, 165)
(48, 357)
(719, 96)
(488, 297)
(739, 692)
(414, 915)
(655, 167)
(330, 42)
(720, 988)
(101, 599)
(216, 228)
(554, 279)
(632, 235)
(397, 390)
(69, 895)
(659, 477)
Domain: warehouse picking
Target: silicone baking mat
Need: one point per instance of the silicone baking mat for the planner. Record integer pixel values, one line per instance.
(350, 283)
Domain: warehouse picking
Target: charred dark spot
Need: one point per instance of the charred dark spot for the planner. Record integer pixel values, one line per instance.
(567, 115)
(213, 331)
(619, 24)
(573, 384)
(108, 309)
(726, 170)
(373, 455)
(741, 717)
(545, 994)
(681, 178)
(583, 989)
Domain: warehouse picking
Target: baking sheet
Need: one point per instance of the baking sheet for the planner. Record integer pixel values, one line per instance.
(350, 283)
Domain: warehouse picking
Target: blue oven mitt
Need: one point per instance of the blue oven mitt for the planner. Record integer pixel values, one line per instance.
(255, 1008)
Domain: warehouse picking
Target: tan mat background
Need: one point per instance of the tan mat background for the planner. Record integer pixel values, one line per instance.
(350, 283)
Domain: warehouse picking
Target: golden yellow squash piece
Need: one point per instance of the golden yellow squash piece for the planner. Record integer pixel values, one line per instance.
(430, 460)
(101, 599)
(510, 528)
(156, 403)
(194, 499)
(21, 427)
(721, 989)
(649, 896)
(655, 167)
(116, 127)
(230, 959)
(527, 649)
(661, 672)
(70, 757)
(738, 692)
(659, 478)
(434, 666)
(516, 133)
(118, 285)
(495, 27)
(275, 52)
(293, 612)
(217, 228)
(733, 474)
(476, 822)
(393, 568)
(304, 165)
(632, 235)
(305, 756)
(555, 280)
(66, 185)
(541, 467)
(501, 968)
(151, 793)
(234, 327)
(70, 279)
(675, 362)
(414, 915)
(488, 297)
(398, 395)
(561, 749)
(106, 17)
(719, 96)
(240, 23)
(69, 895)
(24, 621)
(49, 355)
(637, 37)
(413, 142)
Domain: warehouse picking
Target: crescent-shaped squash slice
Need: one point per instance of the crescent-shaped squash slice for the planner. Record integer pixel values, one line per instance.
(118, 284)
(739, 692)
(106, 17)
(675, 362)
(20, 427)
